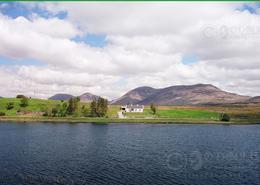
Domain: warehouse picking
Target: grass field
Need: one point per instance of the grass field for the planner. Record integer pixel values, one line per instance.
(172, 112)
(186, 113)
(164, 113)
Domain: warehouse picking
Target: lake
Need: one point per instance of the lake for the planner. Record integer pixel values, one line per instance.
(143, 154)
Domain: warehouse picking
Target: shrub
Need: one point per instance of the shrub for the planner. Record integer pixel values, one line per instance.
(2, 113)
(62, 109)
(24, 102)
(20, 96)
(153, 108)
(9, 105)
(54, 112)
(224, 117)
(85, 111)
(48, 112)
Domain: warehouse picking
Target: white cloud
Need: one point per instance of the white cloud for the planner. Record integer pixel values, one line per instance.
(146, 43)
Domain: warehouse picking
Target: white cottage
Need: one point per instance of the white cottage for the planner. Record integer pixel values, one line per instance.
(132, 108)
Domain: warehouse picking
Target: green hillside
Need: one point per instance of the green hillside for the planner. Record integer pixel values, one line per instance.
(35, 105)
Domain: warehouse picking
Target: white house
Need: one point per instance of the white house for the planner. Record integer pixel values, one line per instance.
(132, 108)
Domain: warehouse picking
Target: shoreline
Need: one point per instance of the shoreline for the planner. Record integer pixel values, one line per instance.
(125, 120)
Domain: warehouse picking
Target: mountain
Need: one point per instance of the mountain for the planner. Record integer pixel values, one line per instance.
(61, 97)
(179, 95)
(255, 99)
(136, 95)
(88, 97)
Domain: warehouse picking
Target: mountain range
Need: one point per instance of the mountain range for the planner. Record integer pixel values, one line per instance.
(86, 97)
(180, 95)
(198, 94)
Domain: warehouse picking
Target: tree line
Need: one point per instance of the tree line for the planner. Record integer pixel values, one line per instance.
(97, 108)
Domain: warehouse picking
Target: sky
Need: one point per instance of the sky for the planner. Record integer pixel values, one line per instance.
(110, 48)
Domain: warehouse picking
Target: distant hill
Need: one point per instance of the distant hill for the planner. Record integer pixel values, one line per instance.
(88, 97)
(61, 97)
(255, 99)
(180, 95)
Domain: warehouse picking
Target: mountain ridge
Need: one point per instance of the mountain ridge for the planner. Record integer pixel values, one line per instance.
(61, 96)
(86, 97)
(179, 95)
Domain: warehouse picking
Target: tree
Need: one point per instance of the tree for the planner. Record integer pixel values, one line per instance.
(62, 111)
(99, 107)
(54, 111)
(93, 108)
(24, 102)
(9, 105)
(48, 111)
(224, 117)
(153, 108)
(85, 111)
(73, 105)
(20, 96)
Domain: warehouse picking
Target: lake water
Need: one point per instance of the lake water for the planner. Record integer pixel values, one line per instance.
(143, 154)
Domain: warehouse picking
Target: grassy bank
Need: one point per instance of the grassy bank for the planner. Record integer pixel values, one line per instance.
(130, 120)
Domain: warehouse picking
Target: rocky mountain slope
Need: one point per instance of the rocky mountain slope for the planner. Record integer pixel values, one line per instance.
(179, 95)
(135, 96)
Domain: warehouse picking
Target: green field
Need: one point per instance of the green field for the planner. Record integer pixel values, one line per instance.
(176, 113)
(183, 113)
(164, 114)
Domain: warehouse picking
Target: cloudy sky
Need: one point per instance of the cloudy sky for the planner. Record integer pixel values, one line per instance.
(110, 48)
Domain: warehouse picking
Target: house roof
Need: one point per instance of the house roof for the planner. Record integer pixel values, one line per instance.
(133, 106)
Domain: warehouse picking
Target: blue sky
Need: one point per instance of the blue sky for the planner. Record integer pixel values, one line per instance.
(14, 10)
(94, 40)
(189, 59)
(251, 8)
(9, 61)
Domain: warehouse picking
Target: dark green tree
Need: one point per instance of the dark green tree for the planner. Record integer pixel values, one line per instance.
(54, 111)
(153, 108)
(99, 107)
(93, 108)
(24, 102)
(9, 105)
(62, 111)
(20, 96)
(73, 105)
(224, 117)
